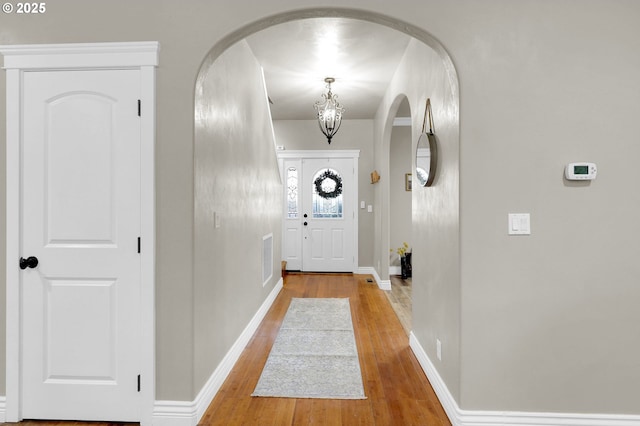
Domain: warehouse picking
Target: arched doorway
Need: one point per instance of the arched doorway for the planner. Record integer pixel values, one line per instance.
(235, 169)
(400, 222)
(379, 220)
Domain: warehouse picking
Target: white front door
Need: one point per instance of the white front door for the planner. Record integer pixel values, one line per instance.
(320, 224)
(80, 306)
(328, 215)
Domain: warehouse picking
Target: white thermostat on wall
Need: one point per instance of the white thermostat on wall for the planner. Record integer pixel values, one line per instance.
(581, 171)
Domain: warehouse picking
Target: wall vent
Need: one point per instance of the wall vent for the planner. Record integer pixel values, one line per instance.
(267, 258)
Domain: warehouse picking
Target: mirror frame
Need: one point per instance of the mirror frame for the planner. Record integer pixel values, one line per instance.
(433, 158)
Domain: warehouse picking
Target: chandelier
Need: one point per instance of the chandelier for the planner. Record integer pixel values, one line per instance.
(329, 112)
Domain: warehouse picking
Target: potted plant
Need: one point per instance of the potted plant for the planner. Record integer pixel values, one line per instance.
(405, 260)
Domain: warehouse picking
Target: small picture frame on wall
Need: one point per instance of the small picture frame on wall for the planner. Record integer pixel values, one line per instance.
(407, 182)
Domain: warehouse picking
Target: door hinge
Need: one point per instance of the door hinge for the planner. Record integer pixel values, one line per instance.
(139, 108)
(138, 245)
(138, 383)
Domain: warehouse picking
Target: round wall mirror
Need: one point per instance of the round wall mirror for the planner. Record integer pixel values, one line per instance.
(426, 159)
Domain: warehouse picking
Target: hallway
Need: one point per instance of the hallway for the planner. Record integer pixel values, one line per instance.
(397, 390)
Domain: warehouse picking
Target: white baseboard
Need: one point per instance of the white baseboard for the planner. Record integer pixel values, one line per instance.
(189, 413)
(382, 284)
(459, 417)
(175, 413)
(365, 270)
(395, 270)
(3, 409)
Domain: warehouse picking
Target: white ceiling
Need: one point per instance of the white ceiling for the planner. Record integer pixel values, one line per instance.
(298, 55)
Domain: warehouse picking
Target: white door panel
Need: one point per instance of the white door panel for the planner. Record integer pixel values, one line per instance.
(80, 198)
(328, 243)
(81, 219)
(292, 227)
(315, 244)
(292, 249)
(93, 338)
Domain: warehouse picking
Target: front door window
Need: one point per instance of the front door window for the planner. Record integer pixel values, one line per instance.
(327, 195)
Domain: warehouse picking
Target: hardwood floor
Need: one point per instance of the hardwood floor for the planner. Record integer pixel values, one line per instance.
(397, 390)
(400, 299)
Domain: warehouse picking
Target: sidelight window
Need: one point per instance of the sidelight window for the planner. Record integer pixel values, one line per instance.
(292, 193)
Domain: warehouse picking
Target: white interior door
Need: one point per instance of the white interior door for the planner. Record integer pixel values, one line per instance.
(328, 214)
(80, 187)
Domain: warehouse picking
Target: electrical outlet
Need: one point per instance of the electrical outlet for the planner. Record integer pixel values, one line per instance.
(439, 349)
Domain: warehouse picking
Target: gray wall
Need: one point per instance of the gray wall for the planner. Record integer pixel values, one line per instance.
(237, 178)
(353, 134)
(435, 210)
(542, 83)
(550, 319)
(400, 228)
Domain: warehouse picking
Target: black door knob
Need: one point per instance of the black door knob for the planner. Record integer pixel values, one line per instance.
(305, 224)
(30, 262)
(305, 215)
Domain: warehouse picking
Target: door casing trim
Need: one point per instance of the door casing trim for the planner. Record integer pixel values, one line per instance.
(353, 154)
(19, 59)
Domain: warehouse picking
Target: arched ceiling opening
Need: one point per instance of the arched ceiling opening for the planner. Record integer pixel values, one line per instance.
(297, 56)
(298, 49)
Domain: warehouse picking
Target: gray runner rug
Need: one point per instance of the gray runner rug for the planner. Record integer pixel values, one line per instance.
(314, 354)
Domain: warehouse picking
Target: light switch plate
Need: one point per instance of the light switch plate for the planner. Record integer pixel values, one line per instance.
(519, 224)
